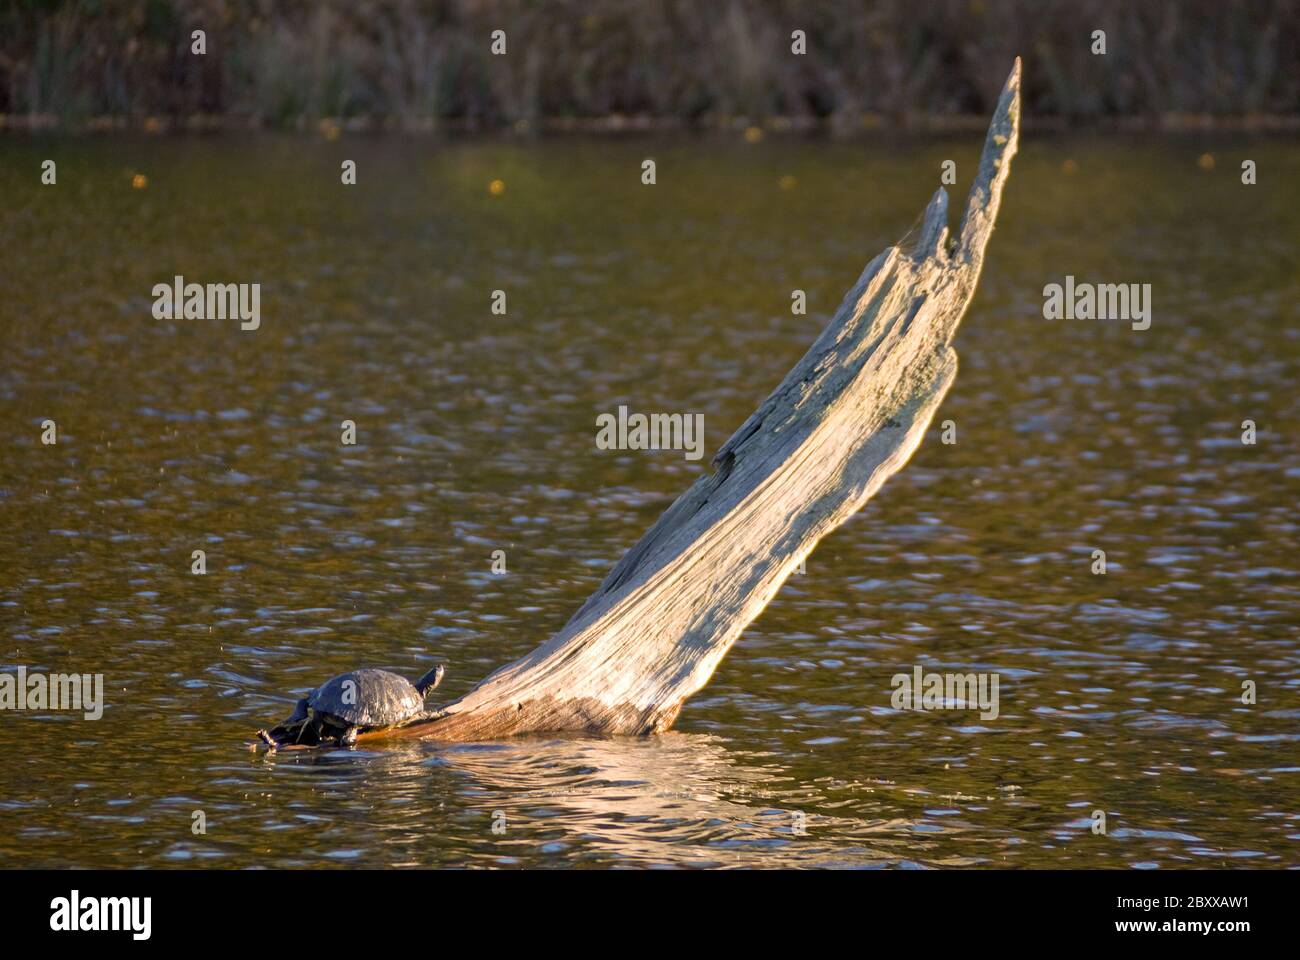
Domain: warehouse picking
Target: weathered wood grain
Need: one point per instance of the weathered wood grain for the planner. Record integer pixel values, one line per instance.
(847, 416)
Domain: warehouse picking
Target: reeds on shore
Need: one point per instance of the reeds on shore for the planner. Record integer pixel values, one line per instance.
(420, 64)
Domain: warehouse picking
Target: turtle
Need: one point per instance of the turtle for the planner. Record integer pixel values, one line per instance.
(355, 702)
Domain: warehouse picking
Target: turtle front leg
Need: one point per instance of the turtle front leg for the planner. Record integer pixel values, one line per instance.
(348, 738)
(428, 715)
(312, 723)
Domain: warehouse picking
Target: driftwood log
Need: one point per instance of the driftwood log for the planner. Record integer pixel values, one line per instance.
(846, 418)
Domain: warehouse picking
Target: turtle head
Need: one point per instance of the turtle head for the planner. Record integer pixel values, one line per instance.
(430, 680)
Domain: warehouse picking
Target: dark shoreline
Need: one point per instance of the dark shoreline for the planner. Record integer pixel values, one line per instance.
(867, 124)
(513, 61)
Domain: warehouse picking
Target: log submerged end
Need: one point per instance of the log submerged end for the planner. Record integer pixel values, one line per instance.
(538, 715)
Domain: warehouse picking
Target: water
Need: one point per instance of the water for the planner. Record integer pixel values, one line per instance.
(476, 433)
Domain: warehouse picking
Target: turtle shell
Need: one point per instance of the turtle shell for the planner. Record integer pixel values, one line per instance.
(367, 698)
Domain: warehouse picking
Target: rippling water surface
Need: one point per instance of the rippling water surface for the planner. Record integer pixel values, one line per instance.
(476, 433)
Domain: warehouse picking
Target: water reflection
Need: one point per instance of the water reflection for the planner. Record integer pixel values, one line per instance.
(676, 800)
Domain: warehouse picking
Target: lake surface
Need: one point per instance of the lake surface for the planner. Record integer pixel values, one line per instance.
(476, 433)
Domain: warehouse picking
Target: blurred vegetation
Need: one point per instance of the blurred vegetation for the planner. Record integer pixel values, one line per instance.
(420, 62)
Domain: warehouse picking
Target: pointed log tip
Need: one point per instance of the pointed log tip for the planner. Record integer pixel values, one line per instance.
(1007, 111)
(1000, 146)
